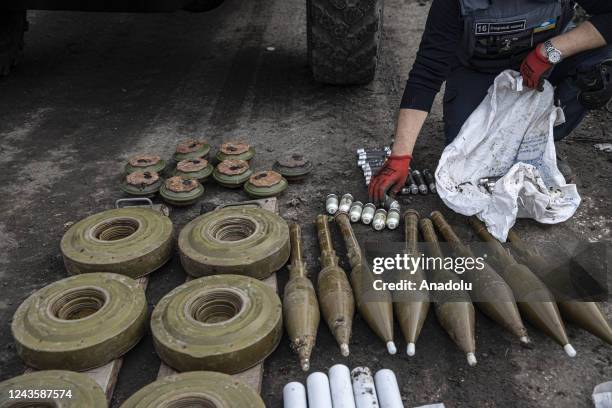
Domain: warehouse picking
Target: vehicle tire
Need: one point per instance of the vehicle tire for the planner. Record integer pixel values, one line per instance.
(344, 37)
(203, 5)
(12, 26)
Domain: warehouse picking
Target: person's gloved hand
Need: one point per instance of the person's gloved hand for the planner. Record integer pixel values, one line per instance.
(392, 176)
(535, 68)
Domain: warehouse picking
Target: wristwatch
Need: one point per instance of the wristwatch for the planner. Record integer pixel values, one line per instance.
(553, 54)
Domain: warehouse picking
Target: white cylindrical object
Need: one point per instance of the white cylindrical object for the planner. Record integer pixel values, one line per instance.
(355, 211)
(368, 213)
(318, 390)
(341, 388)
(380, 219)
(393, 218)
(345, 203)
(331, 204)
(294, 396)
(387, 389)
(363, 388)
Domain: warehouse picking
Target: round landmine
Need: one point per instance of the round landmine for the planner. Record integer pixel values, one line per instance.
(294, 167)
(232, 173)
(139, 184)
(225, 323)
(180, 191)
(265, 184)
(145, 162)
(80, 322)
(203, 389)
(56, 388)
(198, 169)
(235, 151)
(242, 240)
(191, 149)
(130, 241)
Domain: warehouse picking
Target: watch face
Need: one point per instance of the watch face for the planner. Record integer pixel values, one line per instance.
(554, 56)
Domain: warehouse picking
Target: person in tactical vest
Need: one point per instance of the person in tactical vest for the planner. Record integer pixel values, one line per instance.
(467, 43)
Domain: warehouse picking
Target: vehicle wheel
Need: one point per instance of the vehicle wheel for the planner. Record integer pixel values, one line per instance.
(344, 37)
(12, 26)
(203, 5)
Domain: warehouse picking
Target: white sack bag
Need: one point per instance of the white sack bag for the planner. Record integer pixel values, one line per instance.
(509, 135)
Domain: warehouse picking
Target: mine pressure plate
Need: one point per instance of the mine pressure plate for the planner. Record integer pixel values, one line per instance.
(145, 162)
(144, 184)
(191, 149)
(198, 169)
(235, 151)
(265, 184)
(180, 191)
(232, 173)
(293, 167)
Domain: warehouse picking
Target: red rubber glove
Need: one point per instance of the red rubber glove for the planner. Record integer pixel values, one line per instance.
(392, 176)
(535, 68)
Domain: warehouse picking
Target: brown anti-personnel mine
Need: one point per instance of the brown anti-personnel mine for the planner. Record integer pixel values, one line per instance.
(203, 389)
(129, 241)
(83, 390)
(80, 322)
(265, 184)
(145, 162)
(225, 323)
(335, 294)
(235, 151)
(141, 184)
(243, 240)
(232, 173)
(191, 149)
(180, 191)
(199, 169)
(294, 167)
(300, 306)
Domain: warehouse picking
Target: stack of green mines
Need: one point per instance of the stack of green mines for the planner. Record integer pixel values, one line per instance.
(198, 169)
(454, 309)
(180, 191)
(235, 151)
(197, 389)
(587, 315)
(535, 301)
(191, 149)
(411, 310)
(85, 392)
(335, 293)
(300, 306)
(80, 322)
(141, 184)
(496, 299)
(145, 162)
(241, 240)
(379, 314)
(265, 184)
(225, 323)
(129, 241)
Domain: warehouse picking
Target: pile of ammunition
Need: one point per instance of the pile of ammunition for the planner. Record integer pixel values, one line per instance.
(372, 160)
(387, 216)
(343, 388)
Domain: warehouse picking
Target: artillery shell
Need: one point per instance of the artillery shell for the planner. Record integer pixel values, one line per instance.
(355, 211)
(431, 181)
(380, 219)
(418, 178)
(587, 315)
(235, 151)
(191, 149)
(139, 184)
(196, 389)
(367, 215)
(225, 323)
(80, 322)
(331, 204)
(238, 240)
(454, 309)
(497, 299)
(145, 162)
(180, 192)
(294, 167)
(300, 306)
(345, 203)
(534, 300)
(232, 173)
(129, 241)
(199, 169)
(84, 391)
(393, 218)
(411, 310)
(335, 293)
(379, 314)
(265, 184)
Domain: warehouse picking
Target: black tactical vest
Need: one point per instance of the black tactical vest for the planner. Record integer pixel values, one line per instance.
(498, 34)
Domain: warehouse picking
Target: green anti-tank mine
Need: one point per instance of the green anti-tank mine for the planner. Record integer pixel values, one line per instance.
(139, 184)
(225, 323)
(232, 173)
(235, 151)
(242, 240)
(180, 192)
(191, 149)
(80, 322)
(83, 390)
(203, 389)
(294, 167)
(265, 184)
(198, 169)
(128, 241)
(145, 162)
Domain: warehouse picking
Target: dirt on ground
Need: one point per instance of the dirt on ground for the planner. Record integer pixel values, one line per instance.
(94, 89)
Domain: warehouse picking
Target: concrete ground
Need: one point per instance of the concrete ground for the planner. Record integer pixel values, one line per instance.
(96, 88)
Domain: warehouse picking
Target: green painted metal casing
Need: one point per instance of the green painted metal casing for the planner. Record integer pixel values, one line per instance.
(196, 154)
(246, 156)
(250, 330)
(201, 175)
(196, 389)
(294, 168)
(263, 192)
(182, 198)
(157, 168)
(49, 334)
(138, 254)
(141, 191)
(234, 181)
(85, 392)
(239, 240)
